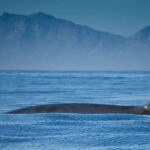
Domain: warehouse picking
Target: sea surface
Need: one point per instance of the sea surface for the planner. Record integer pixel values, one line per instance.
(73, 131)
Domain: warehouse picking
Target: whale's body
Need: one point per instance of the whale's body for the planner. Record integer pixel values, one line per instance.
(83, 109)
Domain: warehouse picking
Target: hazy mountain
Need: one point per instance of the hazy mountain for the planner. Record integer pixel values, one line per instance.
(41, 41)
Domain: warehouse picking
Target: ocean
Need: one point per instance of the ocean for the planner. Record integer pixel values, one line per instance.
(51, 131)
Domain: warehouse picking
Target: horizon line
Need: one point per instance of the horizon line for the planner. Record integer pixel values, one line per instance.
(51, 70)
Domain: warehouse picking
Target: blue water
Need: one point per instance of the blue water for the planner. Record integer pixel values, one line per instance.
(73, 131)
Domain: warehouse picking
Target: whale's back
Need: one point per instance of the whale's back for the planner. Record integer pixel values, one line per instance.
(82, 109)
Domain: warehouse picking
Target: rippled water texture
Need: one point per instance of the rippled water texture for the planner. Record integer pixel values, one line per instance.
(73, 131)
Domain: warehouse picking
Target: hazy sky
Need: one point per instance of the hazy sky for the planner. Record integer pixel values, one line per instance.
(123, 17)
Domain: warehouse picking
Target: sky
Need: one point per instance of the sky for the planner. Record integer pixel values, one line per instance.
(124, 17)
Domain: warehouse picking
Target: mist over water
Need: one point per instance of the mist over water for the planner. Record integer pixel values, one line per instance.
(65, 60)
(42, 42)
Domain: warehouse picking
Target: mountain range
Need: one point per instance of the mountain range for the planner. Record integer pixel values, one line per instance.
(42, 41)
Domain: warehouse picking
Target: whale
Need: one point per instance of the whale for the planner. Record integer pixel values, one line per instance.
(83, 108)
